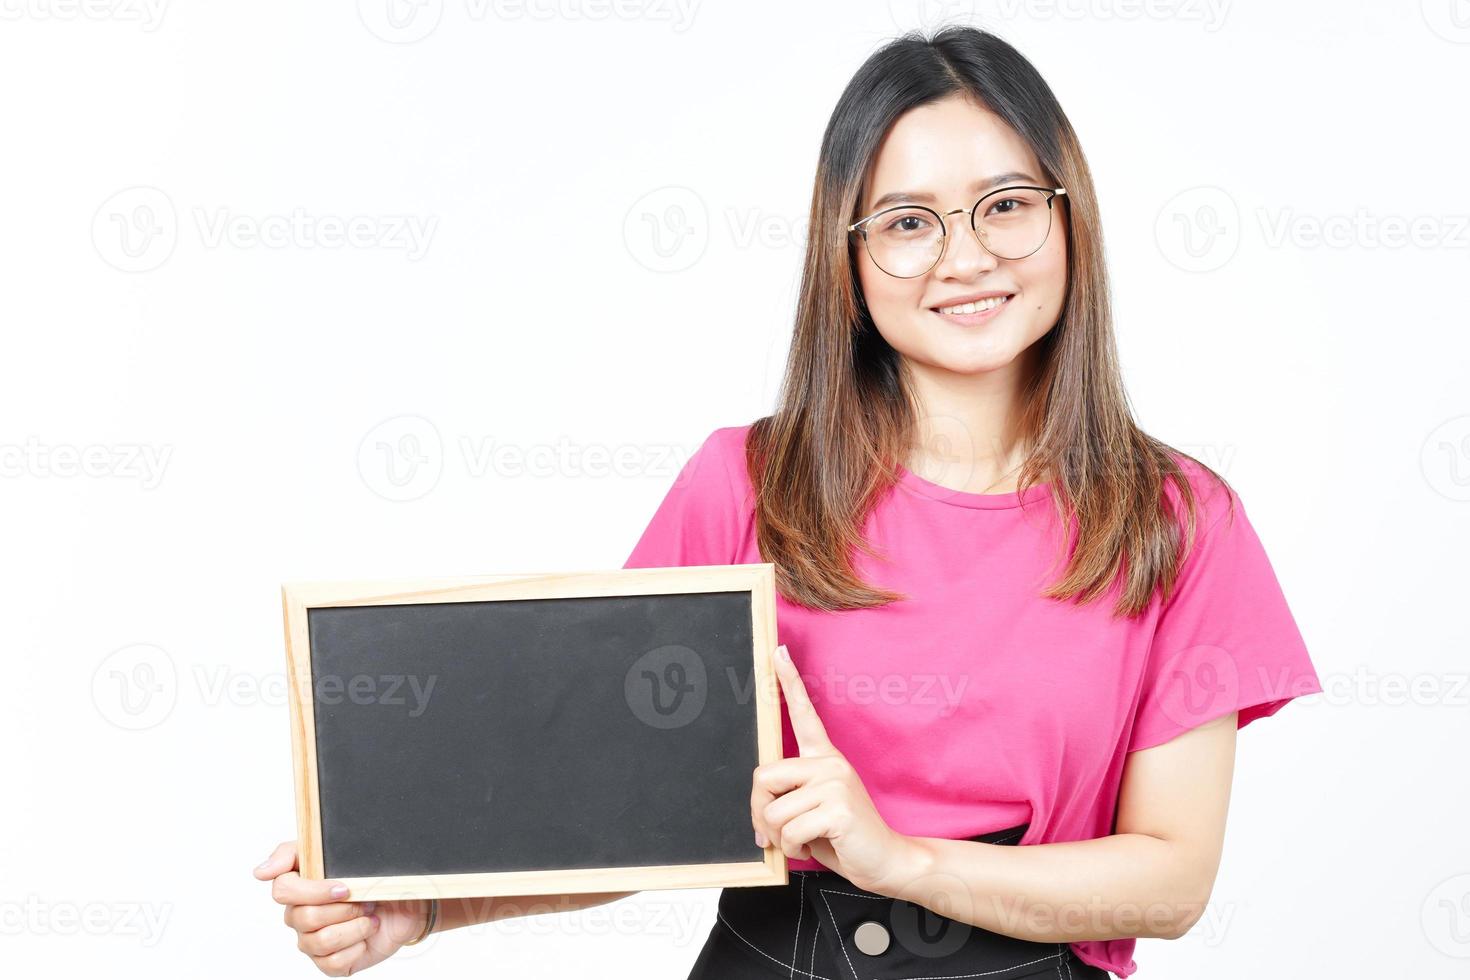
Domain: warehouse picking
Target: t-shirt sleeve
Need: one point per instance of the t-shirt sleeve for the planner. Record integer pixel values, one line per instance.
(1225, 641)
(704, 515)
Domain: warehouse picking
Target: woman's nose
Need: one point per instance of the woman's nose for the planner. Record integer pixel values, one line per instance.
(963, 256)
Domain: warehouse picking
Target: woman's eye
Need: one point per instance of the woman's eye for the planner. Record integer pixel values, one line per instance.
(906, 223)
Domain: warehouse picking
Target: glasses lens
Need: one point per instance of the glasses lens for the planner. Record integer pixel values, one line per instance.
(1013, 222)
(904, 242)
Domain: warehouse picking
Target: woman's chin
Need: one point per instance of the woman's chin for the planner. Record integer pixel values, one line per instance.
(980, 356)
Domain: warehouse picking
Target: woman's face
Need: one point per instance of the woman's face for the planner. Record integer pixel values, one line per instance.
(945, 155)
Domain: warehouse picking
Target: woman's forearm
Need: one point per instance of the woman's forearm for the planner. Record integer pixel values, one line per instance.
(1116, 887)
(457, 912)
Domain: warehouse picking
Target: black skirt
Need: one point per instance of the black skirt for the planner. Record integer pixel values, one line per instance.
(820, 926)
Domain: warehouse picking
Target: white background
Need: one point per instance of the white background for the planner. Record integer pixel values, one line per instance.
(231, 396)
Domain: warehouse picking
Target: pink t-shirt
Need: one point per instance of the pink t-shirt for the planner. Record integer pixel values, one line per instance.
(977, 704)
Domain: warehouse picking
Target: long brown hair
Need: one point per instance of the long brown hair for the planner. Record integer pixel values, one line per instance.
(846, 412)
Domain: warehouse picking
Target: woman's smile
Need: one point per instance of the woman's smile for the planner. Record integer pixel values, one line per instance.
(973, 313)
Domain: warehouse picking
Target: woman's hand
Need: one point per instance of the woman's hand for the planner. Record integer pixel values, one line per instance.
(342, 938)
(815, 806)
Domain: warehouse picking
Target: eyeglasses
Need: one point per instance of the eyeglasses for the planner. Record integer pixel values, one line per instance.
(908, 240)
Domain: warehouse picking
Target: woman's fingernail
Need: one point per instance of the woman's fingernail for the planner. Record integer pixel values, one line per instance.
(263, 865)
(374, 920)
(367, 907)
(760, 839)
(339, 891)
(783, 653)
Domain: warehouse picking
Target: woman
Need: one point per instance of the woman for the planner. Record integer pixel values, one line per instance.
(1018, 634)
(952, 428)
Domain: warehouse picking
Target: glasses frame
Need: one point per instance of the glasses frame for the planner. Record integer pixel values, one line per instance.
(861, 225)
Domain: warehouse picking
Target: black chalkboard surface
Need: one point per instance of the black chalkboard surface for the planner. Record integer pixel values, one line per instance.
(533, 734)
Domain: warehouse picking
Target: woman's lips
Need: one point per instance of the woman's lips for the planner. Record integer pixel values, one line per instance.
(970, 319)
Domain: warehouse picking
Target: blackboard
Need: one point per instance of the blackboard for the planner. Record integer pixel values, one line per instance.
(533, 734)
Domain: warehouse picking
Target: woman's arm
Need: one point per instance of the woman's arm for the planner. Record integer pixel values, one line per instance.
(457, 912)
(1150, 879)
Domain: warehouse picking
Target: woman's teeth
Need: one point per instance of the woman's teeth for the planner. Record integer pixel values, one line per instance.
(979, 306)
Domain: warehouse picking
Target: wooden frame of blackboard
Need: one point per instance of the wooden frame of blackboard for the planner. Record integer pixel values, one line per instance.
(299, 597)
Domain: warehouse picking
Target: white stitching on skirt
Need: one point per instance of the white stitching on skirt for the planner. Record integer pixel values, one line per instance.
(838, 929)
(816, 934)
(838, 891)
(753, 946)
(796, 943)
(955, 976)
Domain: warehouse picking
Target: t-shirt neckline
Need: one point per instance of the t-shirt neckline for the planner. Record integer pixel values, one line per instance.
(913, 482)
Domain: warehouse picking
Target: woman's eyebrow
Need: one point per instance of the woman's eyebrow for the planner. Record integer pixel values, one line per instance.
(923, 197)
